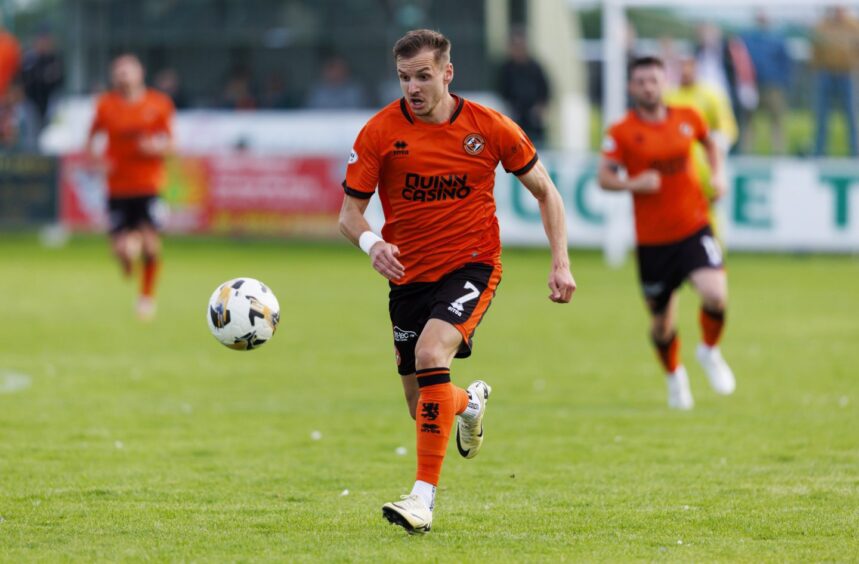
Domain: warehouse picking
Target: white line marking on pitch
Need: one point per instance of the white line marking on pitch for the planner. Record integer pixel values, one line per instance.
(12, 382)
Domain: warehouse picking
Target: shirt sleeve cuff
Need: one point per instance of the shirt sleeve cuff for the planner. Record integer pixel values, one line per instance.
(356, 193)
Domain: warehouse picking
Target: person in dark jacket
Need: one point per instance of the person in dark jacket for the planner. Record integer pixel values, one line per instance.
(523, 85)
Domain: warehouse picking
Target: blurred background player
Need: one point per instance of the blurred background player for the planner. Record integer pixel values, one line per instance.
(433, 156)
(137, 123)
(653, 143)
(715, 108)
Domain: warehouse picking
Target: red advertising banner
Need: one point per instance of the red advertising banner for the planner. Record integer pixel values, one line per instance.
(235, 193)
(274, 195)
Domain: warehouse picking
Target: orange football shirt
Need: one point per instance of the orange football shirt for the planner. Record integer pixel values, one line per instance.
(679, 208)
(436, 183)
(131, 172)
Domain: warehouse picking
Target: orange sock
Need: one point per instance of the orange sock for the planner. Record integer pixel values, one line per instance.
(712, 323)
(669, 352)
(438, 404)
(148, 276)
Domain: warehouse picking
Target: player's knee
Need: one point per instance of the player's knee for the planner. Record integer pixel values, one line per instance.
(661, 330)
(430, 355)
(716, 302)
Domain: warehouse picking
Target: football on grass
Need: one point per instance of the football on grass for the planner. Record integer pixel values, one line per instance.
(243, 314)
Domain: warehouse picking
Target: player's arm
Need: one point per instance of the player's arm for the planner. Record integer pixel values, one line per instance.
(538, 182)
(161, 143)
(717, 169)
(609, 178)
(354, 226)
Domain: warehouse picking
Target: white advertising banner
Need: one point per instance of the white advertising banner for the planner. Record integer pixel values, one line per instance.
(771, 205)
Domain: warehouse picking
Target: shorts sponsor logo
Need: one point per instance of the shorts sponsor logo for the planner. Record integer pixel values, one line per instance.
(420, 188)
(353, 157)
(653, 288)
(473, 143)
(403, 335)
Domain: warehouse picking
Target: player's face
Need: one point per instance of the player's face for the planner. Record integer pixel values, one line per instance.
(127, 74)
(647, 87)
(424, 81)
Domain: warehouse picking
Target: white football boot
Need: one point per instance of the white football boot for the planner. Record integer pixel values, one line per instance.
(145, 308)
(469, 430)
(679, 394)
(410, 513)
(718, 372)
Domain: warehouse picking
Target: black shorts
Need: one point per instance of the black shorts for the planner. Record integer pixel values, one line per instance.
(128, 214)
(461, 298)
(663, 268)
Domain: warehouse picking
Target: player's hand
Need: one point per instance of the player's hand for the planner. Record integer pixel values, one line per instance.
(719, 185)
(154, 145)
(384, 258)
(562, 285)
(646, 182)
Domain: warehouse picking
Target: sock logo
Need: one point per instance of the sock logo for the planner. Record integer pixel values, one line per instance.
(430, 428)
(429, 411)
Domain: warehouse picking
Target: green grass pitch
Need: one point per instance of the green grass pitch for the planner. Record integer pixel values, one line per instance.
(153, 442)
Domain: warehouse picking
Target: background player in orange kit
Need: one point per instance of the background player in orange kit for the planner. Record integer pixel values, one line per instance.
(137, 123)
(675, 242)
(433, 156)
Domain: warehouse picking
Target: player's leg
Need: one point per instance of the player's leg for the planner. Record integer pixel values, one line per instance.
(711, 284)
(660, 278)
(411, 392)
(119, 245)
(458, 302)
(151, 258)
(120, 234)
(663, 334)
(438, 402)
(149, 218)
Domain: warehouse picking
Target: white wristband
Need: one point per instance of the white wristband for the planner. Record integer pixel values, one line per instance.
(367, 240)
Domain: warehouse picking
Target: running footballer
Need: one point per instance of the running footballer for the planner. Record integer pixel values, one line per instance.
(137, 123)
(433, 156)
(675, 242)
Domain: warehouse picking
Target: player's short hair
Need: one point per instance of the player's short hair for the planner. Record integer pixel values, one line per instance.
(417, 40)
(126, 56)
(644, 62)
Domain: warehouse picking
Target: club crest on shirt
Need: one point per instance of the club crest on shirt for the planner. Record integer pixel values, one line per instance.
(473, 143)
(686, 129)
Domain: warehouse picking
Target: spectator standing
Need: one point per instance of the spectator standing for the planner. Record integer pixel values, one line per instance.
(726, 65)
(773, 66)
(19, 121)
(337, 89)
(42, 73)
(523, 85)
(238, 91)
(836, 45)
(167, 81)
